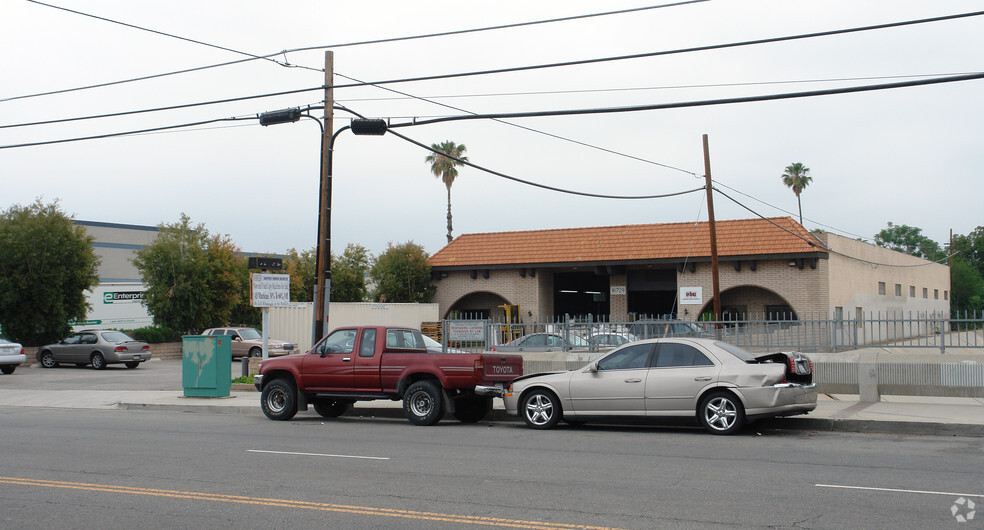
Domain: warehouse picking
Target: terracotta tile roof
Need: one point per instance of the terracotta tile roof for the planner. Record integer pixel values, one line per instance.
(667, 241)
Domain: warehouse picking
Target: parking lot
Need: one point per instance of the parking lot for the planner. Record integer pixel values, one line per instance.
(155, 374)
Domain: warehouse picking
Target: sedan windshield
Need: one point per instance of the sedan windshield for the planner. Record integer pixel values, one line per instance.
(249, 334)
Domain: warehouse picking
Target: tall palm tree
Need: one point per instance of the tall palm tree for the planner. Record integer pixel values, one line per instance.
(796, 177)
(444, 167)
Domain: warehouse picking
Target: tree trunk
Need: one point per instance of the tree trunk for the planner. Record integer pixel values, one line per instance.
(450, 237)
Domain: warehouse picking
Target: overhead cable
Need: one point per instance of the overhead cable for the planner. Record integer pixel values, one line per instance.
(538, 185)
(252, 57)
(537, 131)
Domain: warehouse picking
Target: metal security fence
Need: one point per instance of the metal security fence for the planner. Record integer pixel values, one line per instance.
(814, 333)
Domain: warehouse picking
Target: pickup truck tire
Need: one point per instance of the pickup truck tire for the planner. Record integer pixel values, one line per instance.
(472, 409)
(540, 409)
(422, 403)
(721, 412)
(330, 408)
(279, 400)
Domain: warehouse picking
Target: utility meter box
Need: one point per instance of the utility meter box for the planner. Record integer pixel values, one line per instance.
(206, 364)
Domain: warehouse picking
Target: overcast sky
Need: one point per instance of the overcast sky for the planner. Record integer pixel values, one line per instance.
(903, 155)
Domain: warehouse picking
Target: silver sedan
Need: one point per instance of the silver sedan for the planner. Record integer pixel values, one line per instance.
(722, 385)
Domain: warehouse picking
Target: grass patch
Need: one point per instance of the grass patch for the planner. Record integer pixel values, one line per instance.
(244, 379)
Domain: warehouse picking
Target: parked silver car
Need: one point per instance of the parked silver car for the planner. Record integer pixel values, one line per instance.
(722, 385)
(11, 355)
(543, 342)
(96, 347)
(248, 342)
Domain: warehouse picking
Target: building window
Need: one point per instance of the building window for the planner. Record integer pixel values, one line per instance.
(912, 291)
(936, 294)
(898, 289)
(881, 288)
(946, 295)
(924, 293)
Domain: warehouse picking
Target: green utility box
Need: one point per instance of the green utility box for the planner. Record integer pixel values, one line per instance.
(206, 363)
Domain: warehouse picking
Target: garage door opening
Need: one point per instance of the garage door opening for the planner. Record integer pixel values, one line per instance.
(579, 294)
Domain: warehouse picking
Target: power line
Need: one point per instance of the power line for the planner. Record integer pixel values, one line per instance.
(604, 110)
(833, 229)
(160, 109)
(328, 46)
(538, 185)
(640, 88)
(823, 245)
(701, 103)
(537, 131)
(581, 62)
(126, 133)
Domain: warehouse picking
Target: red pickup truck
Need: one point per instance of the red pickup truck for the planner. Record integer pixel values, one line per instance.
(379, 362)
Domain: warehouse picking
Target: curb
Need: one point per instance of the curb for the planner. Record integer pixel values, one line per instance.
(500, 416)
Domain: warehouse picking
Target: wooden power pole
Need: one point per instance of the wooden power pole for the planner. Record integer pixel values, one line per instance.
(714, 249)
(323, 293)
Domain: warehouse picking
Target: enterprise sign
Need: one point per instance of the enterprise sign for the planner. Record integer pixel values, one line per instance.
(123, 297)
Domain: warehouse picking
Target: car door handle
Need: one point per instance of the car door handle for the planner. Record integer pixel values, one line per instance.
(633, 380)
(346, 359)
(707, 378)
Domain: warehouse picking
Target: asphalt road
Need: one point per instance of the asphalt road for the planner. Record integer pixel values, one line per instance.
(126, 469)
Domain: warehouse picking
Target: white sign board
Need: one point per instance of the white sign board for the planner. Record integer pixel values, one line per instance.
(618, 290)
(270, 290)
(691, 296)
(466, 330)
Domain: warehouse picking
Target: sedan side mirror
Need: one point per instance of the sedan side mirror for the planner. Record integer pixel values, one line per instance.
(593, 367)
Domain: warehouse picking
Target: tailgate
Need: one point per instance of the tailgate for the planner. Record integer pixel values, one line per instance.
(501, 368)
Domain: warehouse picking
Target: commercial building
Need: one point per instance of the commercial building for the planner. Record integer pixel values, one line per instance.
(768, 268)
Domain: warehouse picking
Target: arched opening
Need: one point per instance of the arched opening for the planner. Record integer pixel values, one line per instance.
(750, 302)
(478, 305)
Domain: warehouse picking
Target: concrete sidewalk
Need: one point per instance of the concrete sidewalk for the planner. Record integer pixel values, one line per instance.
(894, 414)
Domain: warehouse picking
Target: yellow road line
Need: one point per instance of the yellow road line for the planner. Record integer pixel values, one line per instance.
(286, 503)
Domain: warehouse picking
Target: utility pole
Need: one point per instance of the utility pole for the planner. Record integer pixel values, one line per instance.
(714, 248)
(323, 263)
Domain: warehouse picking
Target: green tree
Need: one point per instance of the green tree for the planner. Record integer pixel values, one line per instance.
(796, 177)
(191, 277)
(348, 274)
(966, 287)
(402, 274)
(46, 264)
(446, 168)
(243, 312)
(971, 248)
(909, 240)
(300, 266)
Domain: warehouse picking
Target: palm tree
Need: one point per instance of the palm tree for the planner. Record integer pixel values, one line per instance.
(444, 167)
(796, 177)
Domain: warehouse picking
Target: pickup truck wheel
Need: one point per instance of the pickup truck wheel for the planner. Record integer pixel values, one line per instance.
(721, 413)
(279, 400)
(330, 408)
(8, 368)
(540, 409)
(472, 409)
(422, 403)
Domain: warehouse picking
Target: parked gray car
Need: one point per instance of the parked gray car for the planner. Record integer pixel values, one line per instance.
(722, 385)
(97, 347)
(11, 355)
(543, 342)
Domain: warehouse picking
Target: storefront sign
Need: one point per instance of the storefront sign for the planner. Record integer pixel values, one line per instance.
(691, 296)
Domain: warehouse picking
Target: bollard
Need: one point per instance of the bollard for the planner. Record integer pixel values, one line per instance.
(245, 362)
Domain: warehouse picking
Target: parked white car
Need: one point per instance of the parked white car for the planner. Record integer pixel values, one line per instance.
(11, 355)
